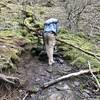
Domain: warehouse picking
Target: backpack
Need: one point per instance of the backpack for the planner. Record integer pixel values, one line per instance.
(51, 25)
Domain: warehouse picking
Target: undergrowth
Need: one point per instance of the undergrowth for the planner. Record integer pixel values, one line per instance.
(75, 56)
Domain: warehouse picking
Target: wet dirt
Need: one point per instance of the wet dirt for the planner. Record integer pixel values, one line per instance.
(34, 73)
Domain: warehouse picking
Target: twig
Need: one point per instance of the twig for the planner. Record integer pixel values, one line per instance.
(68, 76)
(94, 76)
(25, 96)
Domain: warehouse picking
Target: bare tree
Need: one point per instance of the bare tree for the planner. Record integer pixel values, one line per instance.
(83, 15)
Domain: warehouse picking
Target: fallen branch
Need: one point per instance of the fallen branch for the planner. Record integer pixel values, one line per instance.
(69, 76)
(5, 5)
(25, 96)
(8, 79)
(80, 49)
(94, 76)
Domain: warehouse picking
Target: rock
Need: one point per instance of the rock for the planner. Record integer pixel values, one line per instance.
(35, 88)
(50, 69)
(63, 88)
(56, 96)
(87, 91)
(76, 83)
(67, 92)
(52, 96)
(62, 92)
(32, 97)
(86, 94)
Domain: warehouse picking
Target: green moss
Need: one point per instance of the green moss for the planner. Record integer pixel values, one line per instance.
(23, 32)
(40, 23)
(10, 49)
(7, 54)
(42, 12)
(10, 33)
(31, 38)
(75, 56)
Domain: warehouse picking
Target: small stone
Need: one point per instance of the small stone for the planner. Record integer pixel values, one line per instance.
(36, 88)
(49, 69)
(20, 91)
(85, 94)
(33, 97)
(63, 88)
(37, 79)
(66, 87)
(87, 91)
(76, 83)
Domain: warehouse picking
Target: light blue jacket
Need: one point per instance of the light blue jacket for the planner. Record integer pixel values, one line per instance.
(51, 25)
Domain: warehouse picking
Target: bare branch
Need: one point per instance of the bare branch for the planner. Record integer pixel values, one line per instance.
(68, 76)
(94, 76)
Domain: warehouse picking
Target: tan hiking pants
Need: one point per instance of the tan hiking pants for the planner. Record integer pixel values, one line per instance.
(49, 40)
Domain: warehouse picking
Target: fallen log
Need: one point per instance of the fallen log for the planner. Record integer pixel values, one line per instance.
(80, 49)
(69, 76)
(9, 79)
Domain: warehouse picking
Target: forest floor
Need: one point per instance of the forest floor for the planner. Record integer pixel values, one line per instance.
(34, 72)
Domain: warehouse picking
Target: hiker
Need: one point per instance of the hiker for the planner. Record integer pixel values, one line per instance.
(50, 32)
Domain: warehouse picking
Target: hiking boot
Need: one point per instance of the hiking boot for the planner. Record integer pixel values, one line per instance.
(53, 64)
(50, 69)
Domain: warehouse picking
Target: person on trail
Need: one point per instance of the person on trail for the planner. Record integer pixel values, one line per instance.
(50, 33)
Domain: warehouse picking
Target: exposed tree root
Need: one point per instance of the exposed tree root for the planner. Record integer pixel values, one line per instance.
(9, 79)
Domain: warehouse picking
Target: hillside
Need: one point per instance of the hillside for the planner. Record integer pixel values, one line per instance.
(23, 62)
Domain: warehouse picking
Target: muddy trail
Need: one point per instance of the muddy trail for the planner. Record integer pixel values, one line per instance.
(34, 71)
